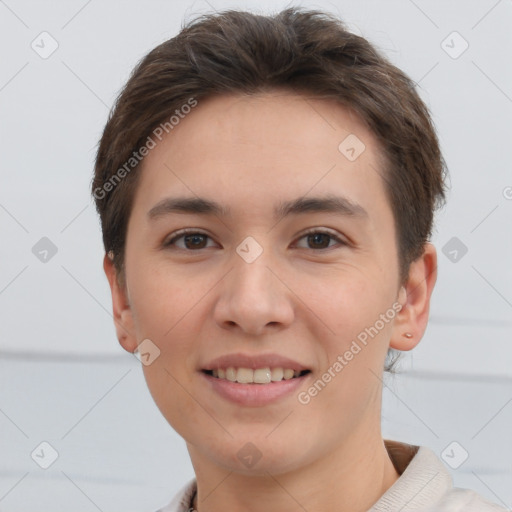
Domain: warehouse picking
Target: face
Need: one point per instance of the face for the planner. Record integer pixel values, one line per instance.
(291, 271)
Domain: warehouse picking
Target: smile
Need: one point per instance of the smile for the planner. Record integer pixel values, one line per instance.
(255, 376)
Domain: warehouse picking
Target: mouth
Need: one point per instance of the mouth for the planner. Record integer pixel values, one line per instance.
(262, 376)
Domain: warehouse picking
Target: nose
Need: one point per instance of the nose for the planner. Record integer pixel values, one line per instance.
(254, 297)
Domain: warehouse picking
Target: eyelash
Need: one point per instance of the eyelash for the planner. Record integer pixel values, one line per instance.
(189, 231)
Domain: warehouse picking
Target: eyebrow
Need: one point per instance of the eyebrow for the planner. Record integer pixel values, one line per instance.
(197, 205)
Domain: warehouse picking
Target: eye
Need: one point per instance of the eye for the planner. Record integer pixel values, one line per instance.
(320, 239)
(192, 239)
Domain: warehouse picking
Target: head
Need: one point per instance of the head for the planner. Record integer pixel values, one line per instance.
(281, 124)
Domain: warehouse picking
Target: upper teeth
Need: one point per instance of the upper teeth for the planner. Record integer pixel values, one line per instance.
(258, 376)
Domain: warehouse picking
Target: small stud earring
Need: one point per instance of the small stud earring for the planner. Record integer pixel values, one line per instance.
(408, 335)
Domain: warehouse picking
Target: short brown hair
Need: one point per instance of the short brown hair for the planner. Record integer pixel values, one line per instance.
(307, 52)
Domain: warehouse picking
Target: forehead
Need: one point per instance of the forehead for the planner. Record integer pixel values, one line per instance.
(273, 121)
(253, 149)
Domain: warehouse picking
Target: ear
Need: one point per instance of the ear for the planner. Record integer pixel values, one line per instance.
(414, 297)
(123, 317)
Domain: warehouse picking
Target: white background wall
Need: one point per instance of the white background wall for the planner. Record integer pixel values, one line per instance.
(59, 358)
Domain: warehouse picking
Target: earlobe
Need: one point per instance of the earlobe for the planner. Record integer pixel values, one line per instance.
(121, 309)
(411, 321)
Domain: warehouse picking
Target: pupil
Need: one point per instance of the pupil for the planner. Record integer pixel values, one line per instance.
(188, 238)
(317, 239)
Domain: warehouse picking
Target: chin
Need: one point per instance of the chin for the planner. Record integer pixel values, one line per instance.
(258, 457)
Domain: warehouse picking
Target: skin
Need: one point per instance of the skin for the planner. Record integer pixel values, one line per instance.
(296, 299)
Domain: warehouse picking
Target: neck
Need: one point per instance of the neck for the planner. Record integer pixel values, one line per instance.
(351, 478)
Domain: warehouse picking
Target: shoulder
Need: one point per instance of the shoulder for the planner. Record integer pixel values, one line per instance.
(182, 499)
(425, 485)
(464, 500)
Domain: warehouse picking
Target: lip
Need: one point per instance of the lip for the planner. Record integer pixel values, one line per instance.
(253, 362)
(254, 395)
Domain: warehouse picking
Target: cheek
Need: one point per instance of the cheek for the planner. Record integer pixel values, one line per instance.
(168, 389)
(356, 313)
(160, 300)
(163, 311)
(345, 300)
